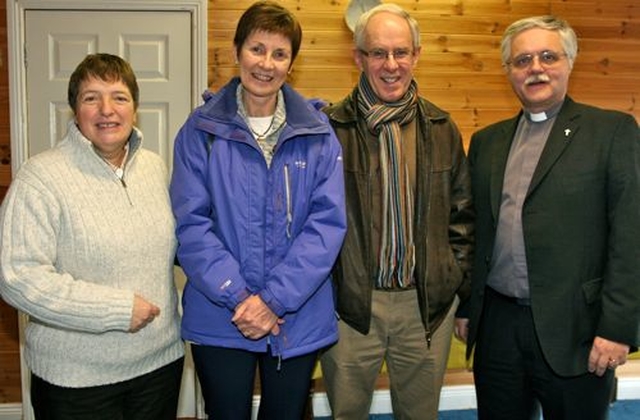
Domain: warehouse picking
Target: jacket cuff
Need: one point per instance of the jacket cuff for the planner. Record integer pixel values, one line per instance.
(270, 300)
(238, 298)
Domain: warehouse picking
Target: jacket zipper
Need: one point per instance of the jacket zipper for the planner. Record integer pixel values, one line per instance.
(287, 190)
(120, 178)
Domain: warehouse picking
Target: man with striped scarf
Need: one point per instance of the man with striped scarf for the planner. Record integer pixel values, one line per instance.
(409, 238)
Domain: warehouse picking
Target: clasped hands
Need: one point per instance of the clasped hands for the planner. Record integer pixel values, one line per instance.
(254, 319)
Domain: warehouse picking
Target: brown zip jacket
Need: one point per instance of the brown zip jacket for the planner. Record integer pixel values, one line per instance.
(443, 225)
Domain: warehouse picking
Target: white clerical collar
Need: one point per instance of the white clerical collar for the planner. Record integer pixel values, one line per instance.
(537, 116)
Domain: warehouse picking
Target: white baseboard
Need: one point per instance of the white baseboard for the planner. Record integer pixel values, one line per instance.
(628, 388)
(11, 411)
(458, 397)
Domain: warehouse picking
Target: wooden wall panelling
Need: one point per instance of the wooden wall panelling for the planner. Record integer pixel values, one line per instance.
(5, 152)
(460, 68)
(9, 355)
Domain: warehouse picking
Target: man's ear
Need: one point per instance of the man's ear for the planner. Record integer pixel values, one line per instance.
(416, 55)
(358, 57)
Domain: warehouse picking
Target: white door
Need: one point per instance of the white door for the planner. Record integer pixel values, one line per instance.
(166, 43)
(156, 44)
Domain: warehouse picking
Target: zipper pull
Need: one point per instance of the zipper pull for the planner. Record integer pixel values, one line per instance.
(289, 205)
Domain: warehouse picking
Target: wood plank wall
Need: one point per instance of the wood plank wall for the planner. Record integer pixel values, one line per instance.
(459, 70)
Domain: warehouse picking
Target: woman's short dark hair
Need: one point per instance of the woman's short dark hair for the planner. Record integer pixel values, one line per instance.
(268, 16)
(103, 66)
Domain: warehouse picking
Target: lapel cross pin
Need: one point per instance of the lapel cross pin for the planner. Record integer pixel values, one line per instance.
(567, 132)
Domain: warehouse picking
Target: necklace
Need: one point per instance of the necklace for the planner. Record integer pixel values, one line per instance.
(118, 170)
(260, 122)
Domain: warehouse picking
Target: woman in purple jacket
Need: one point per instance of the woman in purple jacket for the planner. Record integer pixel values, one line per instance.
(258, 194)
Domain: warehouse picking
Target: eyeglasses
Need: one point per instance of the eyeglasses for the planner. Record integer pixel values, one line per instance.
(379, 55)
(545, 58)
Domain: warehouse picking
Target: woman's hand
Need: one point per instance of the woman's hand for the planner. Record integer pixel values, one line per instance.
(254, 319)
(144, 312)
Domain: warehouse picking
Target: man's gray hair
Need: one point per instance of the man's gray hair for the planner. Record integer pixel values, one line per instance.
(568, 37)
(359, 30)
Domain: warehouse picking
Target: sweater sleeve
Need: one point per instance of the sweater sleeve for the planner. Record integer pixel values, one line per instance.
(29, 279)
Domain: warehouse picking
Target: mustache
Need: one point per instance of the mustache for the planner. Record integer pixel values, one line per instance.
(537, 78)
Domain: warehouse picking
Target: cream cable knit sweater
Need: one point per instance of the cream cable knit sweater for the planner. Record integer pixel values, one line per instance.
(76, 244)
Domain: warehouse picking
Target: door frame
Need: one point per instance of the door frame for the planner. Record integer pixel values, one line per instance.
(16, 16)
(16, 11)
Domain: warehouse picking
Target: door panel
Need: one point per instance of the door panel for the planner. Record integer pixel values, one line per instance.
(157, 44)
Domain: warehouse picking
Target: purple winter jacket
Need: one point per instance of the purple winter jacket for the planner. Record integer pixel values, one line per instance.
(244, 228)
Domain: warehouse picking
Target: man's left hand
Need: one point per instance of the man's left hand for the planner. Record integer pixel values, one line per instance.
(606, 354)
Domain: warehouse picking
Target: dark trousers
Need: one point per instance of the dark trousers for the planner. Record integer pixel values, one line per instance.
(513, 380)
(153, 396)
(227, 378)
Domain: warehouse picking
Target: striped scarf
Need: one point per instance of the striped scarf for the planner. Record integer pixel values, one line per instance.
(396, 254)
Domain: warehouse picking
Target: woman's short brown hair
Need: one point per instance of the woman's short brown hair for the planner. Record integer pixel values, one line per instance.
(103, 66)
(268, 16)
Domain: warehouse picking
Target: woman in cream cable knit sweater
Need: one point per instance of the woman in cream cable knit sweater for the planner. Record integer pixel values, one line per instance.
(86, 250)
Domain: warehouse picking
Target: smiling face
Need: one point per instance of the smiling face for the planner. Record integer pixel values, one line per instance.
(265, 59)
(105, 114)
(539, 86)
(390, 77)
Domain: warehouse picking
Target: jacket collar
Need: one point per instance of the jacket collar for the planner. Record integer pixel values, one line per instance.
(221, 108)
(561, 135)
